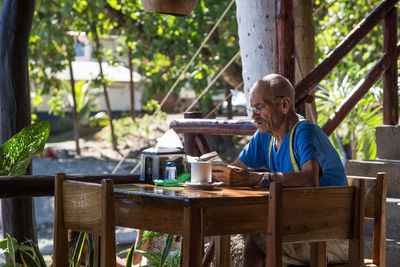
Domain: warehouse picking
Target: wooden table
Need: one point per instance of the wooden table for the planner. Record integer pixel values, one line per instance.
(193, 214)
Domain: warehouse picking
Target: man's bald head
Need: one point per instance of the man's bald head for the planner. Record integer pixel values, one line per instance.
(276, 85)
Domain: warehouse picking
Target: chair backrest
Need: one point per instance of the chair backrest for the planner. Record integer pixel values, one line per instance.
(313, 215)
(375, 208)
(84, 207)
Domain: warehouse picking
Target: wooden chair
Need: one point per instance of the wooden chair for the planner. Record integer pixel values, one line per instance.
(375, 209)
(316, 215)
(84, 207)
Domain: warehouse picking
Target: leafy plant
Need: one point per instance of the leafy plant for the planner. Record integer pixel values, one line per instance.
(166, 258)
(85, 96)
(358, 128)
(146, 126)
(17, 152)
(28, 252)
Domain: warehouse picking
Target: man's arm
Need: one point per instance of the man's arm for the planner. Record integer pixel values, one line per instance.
(236, 175)
(239, 163)
(308, 177)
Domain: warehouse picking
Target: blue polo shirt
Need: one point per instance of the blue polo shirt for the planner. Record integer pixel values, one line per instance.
(309, 142)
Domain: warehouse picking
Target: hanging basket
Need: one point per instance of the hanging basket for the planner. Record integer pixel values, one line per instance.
(171, 7)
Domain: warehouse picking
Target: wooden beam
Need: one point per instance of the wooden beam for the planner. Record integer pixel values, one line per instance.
(389, 79)
(285, 36)
(359, 32)
(43, 185)
(213, 126)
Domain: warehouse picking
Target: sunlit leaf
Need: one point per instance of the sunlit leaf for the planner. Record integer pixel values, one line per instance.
(17, 152)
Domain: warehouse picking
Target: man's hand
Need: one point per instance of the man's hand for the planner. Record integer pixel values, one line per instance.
(235, 176)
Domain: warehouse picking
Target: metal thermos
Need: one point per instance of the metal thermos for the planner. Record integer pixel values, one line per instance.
(154, 162)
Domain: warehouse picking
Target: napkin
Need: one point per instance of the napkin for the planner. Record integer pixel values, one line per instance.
(184, 177)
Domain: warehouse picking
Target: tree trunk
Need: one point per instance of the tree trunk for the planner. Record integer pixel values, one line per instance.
(15, 25)
(75, 115)
(257, 40)
(131, 84)
(305, 47)
(106, 98)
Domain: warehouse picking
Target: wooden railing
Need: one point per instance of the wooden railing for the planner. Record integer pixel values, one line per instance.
(43, 185)
(386, 66)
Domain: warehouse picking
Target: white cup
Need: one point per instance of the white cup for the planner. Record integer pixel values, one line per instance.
(200, 172)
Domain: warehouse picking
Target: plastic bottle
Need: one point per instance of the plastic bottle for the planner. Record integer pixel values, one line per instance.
(170, 171)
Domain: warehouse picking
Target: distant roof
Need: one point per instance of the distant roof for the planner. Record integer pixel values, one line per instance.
(89, 70)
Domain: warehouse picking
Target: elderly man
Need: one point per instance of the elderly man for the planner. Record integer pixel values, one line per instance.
(295, 152)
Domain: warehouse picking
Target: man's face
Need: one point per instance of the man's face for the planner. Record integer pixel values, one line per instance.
(267, 110)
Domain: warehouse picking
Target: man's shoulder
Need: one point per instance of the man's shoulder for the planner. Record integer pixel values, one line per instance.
(307, 126)
(310, 131)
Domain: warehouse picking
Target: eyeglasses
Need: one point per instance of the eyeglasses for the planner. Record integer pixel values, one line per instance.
(257, 110)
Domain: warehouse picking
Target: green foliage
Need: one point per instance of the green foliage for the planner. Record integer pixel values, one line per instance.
(358, 128)
(334, 21)
(151, 106)
(28, 251)
(17, 153)
(166, 258)
(145, 126)
(85, 96)
(78, 249)
(167, 43)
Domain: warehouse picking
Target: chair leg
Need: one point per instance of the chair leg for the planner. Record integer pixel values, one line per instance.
(274, 237)
(60, 246)
(318, 254)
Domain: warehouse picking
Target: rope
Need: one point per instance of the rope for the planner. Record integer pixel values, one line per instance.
(213, 81)
(194, 56)
(220, 103)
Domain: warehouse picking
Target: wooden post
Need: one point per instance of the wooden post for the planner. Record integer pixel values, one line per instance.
(190, 146)
(390, 89)
(285, 33)
(192, 251)
(15, 26)
(222, 251)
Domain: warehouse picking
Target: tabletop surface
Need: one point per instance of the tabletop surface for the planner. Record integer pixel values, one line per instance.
(185, 193)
